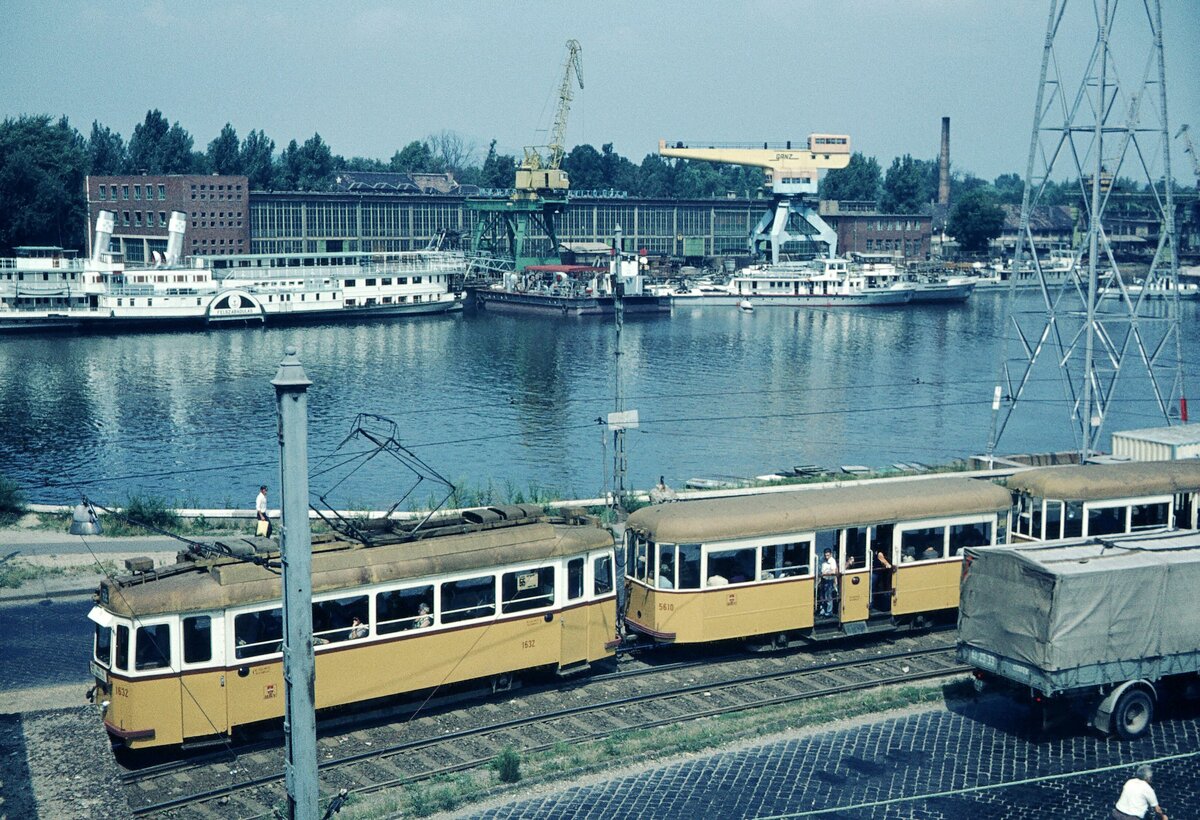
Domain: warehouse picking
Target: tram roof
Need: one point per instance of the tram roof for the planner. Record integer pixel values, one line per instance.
(1095, 482)
(748, 516)
(341, 566)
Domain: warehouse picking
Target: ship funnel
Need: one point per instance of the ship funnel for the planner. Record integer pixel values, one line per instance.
(175, 243)
(104, 228)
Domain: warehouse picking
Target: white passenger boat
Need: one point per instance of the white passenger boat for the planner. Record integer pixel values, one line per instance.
(51, 289)
(1160, 288)
(1056, 267)
(819, 283)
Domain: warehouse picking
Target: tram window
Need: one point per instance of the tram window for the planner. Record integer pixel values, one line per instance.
(969, 535)
(1106, 520)
(153, 647)
(688, 569)
(332, 620)
(639, 561)
(1053, 521)
(666, 566)
(527, 589)
(1073, 522)
(258, 633)
(197, 639)
(1030, 522)
(574, 579)
(731, 567)
(925, 544)
(468, 598)
(103, 644)
(602, 582)
(122, 658)
(785, 560)
(401, 609)
(827, 540)
(1149, 516)
(856, 548)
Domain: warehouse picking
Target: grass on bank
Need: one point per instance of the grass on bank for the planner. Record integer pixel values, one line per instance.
(16, 572)
(567, 761)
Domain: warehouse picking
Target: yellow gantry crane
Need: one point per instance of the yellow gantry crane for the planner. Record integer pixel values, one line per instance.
(540, 171)
(791, 176)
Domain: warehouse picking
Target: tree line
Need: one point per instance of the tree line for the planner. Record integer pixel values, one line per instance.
(43, 162)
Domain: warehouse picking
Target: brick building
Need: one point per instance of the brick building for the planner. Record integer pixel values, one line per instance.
(217, 210)
(863, 229)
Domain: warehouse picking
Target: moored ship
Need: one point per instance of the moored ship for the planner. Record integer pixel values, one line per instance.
(572, 290)
(819, 283)
(51, 289)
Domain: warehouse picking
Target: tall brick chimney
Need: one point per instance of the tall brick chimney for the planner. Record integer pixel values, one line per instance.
(944, 165)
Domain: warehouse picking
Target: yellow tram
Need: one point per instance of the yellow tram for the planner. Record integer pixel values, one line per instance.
(1089, 500)
(752, 565)
(190, 652)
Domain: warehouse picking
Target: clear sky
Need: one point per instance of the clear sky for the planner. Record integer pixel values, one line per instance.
(371, 76)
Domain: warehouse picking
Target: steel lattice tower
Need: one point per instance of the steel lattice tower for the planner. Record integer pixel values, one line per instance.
(1092, 128)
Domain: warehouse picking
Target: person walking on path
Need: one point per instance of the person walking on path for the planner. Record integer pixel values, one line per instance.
(260, 510)
(1138, 797)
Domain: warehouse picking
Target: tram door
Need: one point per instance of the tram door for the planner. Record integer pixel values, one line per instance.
(202, 693)
(574, 617)
(855, 581)
(1185, 511)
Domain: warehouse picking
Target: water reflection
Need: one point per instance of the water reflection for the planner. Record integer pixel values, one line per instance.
(513, 401)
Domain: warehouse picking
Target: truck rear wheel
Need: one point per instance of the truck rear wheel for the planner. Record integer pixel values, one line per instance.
(1135, 709)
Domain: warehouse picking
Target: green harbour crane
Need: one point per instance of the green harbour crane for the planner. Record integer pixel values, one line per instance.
(508, 233)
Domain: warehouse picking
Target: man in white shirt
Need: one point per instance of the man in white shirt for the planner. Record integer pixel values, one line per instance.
(828, 585)
(260, 510)
(1137, 797)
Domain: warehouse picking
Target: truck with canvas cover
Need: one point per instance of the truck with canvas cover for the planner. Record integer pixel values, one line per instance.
(1103, 626)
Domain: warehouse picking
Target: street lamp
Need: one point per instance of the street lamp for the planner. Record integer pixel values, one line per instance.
(84, 520)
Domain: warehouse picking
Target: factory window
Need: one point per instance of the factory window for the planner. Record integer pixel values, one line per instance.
(258, 633)
(153, 647)
(527, 589)
(125, 217)
(125, 192)
(468, 598)
(402, 609)
(137, 218)
(162, 219)
(162, 191)
(197, 639)
(137, 192)
(103, 192)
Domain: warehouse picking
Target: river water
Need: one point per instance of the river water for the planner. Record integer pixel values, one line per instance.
(510, 404)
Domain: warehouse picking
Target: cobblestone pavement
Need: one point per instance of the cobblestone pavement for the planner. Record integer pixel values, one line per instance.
(974, 762)
(45, 643)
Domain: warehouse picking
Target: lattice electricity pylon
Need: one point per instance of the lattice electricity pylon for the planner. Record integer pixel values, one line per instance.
(1097, 315)
(380, 433)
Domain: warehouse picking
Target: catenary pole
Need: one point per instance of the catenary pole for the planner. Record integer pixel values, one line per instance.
(299, 722)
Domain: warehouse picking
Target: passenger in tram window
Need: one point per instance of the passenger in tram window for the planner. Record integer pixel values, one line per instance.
(424, 619)
(358, 629)
(908, 555)
(929, 554)
(829, 571)
(881, 582)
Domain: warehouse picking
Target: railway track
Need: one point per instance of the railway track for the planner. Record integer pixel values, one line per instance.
(379, 758)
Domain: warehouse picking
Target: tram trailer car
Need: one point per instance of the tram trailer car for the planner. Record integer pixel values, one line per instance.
(749, 566)
(187, 654)
(1105, 627)
(1104, 499)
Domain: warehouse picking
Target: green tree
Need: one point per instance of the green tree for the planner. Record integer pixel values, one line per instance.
(417, 157)
(256, 160)
(224, 154)
(284, 174)
(616, 171)
(860, 180)
(1009, 188)
(975, 220)
(106, 151)
(908, 186)
(313, 165)
(655, 177)
(42, 165)
(499, 170)
(584, 167)
(159, 148)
